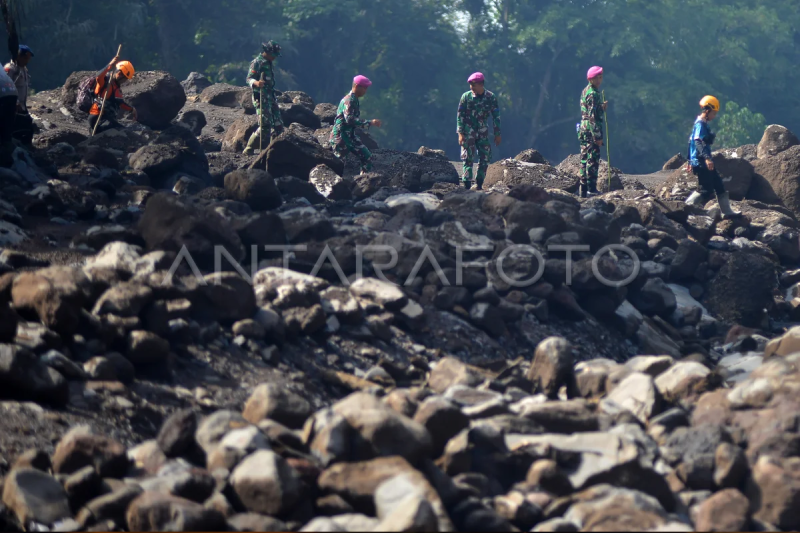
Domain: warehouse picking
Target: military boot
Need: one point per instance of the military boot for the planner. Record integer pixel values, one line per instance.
(251, 143)
(582, 190)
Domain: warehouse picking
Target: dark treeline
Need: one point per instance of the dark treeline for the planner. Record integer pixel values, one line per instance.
(660, 58)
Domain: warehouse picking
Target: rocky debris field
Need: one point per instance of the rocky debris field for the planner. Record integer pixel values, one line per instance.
(191, 339)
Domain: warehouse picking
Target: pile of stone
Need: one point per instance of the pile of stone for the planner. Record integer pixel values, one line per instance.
(191, 338)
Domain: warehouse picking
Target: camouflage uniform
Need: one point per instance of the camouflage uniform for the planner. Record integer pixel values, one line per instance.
(343, 139)
(473, 122)
(591, 131)
(269, 113)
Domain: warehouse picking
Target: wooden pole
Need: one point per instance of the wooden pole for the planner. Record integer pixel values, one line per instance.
(105, 97)
(261, 116)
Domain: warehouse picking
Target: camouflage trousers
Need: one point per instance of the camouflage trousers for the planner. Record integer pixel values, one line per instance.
(351, 144)
(270, 120)
(590, 163)
(484, 151)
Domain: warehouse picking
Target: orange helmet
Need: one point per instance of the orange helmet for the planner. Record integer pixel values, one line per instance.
(126, 68)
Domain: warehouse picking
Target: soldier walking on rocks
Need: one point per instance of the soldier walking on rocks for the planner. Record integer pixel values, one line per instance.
(268, 111)
(472, 123)
(343, 139)
(590, 131)
(701, 162)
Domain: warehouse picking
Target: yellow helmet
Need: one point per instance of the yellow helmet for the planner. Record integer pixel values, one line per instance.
(710, 101)
(126, 68)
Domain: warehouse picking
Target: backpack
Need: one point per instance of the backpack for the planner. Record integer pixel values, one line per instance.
(85, 96)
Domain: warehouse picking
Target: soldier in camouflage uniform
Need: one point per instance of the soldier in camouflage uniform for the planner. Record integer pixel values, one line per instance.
(472, 123)
(590, 131)
(269, 113)
(343, 139)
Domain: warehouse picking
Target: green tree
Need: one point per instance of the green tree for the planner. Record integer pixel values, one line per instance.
(739, 126)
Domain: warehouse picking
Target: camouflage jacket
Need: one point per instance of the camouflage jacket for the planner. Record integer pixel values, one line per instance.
(348, 117)
(258, 66)
(473, 114)
(592, 113)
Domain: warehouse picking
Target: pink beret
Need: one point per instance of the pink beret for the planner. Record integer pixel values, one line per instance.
(594, 72)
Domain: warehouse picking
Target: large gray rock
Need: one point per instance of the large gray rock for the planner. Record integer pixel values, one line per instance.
(266, 484)
(24, 377)
(157, 96)
(742, 290)
(511, 173)
(34, 496)
(296, 154)
(780, 179)
(254, 187)
(776, 139)
(170, 224)
(238, 133)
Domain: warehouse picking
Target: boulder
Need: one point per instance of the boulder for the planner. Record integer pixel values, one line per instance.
(169, 223)
(55, 294)
(675, 162)
(531, 156)
(638, 394)
(238, 133)
(34, 496)
(291, 154)
(80, 448)
(154, 511)
(194, 120)
(226, 95)
(383, 431)
(195, 84)
(291, 187)
(265, 483)
(24, 377)
(781, 179)
(406, 170)
(552, 367)
(776, 139)
(742, 290)
(326, 113)
(157, 96)
(254, 187)
(175, 151)
(572, 166)
(330, 184)
(277, 403)
(511, 173)
(299, 114)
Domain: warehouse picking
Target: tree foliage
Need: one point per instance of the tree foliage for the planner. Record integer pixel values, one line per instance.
(660, 58)
(739, 126)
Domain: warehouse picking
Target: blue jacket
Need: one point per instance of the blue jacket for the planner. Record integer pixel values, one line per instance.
(700, 142)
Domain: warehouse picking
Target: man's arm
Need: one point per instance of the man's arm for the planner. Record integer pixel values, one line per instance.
(253, 74)
(462, 117)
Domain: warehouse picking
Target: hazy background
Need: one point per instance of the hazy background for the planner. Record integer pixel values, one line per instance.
(660, 57)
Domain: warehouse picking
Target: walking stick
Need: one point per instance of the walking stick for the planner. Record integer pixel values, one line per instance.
(608, 151)
(105, 97)
(261, 116)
